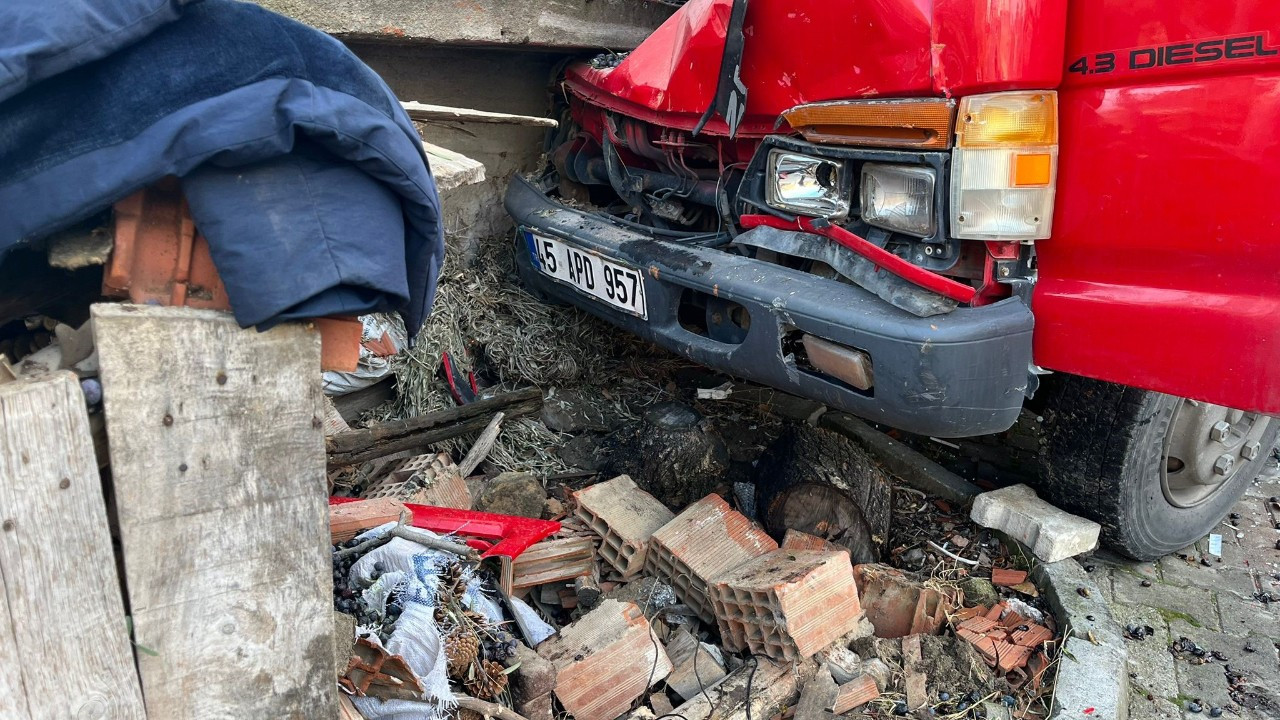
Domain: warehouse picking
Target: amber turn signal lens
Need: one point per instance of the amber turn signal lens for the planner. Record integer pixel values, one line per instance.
(916, 123)
(1032, 169)
(1009, 118)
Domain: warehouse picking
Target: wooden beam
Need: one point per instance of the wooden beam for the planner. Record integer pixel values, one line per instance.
(64, 639)
(217, 453)
(415, 433)
(424, 112)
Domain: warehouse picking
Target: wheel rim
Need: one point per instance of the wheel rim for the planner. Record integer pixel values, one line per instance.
(1206, 447)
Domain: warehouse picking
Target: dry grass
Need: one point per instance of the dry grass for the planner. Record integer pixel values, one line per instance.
(482, 316)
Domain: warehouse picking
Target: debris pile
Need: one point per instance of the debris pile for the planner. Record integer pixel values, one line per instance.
(622, 608)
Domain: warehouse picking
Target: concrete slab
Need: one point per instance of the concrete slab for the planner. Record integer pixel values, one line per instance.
(1092, 682)
(567, 24)
(1194, 606)
(1051, 533)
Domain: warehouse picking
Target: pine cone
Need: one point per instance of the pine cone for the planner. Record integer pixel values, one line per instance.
(461, 648)
(487, 680)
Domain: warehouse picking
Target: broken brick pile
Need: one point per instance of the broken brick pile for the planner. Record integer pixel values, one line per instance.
(1006, 639)
(626, 584)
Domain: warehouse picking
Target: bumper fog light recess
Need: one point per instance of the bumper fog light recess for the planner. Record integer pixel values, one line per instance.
(1004, 167)
(807, 185)
(844, 363)
(898, 198)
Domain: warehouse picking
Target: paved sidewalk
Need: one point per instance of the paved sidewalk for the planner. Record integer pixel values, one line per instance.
(1216, 607)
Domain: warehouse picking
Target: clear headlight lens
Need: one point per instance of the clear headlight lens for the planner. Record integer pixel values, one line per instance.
(807, 185)
(898, 197)
(1004, 167)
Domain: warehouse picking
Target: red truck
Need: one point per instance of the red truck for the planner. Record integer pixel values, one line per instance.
(931, 213)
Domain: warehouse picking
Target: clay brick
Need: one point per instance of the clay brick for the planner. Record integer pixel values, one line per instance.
(963, 614)
(605, 660)
(1006, 577)
(854, 694)
(625, 517)
(898, 605)
(448, 489)
(552, 561)
(1033, 637)
(350, 519)
(796, 540)
(411, 475)
(979, 625)
(706, 539)
(787, 604)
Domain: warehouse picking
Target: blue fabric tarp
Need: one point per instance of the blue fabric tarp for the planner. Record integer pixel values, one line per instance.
(300, 167)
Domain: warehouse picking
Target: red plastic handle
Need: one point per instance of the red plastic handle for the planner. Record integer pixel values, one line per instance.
(513, 534)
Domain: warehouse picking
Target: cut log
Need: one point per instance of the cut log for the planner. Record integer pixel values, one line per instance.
(64, 642)
(416, 433)
(424, 112)
(217, 453)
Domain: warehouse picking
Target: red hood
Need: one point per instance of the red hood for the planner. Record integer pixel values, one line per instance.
(802, 51)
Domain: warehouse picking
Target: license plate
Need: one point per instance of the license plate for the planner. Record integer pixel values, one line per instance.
(600, 278)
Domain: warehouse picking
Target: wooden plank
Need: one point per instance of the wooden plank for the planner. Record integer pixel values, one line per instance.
(64, 642)
(425, 112)
(217, 452)
(415, 433)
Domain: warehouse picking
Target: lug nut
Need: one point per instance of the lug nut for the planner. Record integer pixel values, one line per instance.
(1250, 450)
(1223, 465)
(1219, 431)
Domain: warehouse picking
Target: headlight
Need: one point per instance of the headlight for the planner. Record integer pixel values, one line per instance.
(898, 197)
(1004, 167)
(807, 185)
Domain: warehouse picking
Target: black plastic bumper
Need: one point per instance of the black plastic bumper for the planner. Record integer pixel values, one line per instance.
(953, 375)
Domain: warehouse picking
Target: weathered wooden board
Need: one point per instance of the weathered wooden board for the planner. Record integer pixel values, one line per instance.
(217, 452)
(64, 639)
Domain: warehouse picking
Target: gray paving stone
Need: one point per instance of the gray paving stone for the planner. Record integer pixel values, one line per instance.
(1157, 708)
(1122, 564)
(1206, 684)
(1172, 601)
(1243, 617)
(1149, 659)
(1238, 581)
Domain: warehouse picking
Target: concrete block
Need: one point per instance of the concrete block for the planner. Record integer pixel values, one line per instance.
(774, 686)
(787, 604)
(532, 684)
(854, 694)
(1051, 533)
(706, 539)
(695, 665)
(843, 663)
(605, 660)
(552, 561)
(565, 24)
(1093, 679)
(625, 517)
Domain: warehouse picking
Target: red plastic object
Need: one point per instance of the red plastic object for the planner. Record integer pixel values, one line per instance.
(513, 534)
(876, 254)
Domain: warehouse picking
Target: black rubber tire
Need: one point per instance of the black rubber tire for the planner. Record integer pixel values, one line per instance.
(1104, 447)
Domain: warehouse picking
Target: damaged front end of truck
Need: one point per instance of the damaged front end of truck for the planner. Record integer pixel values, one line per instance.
(837, 199)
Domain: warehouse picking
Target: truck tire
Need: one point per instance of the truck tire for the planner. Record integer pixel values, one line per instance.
(1157, 471)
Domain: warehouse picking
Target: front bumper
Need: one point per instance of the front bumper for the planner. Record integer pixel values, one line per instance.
(952, 375)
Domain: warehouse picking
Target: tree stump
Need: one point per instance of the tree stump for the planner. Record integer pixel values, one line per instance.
(822, 483)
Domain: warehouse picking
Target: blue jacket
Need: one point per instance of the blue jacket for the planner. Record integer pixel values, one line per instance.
(300, 167)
